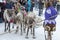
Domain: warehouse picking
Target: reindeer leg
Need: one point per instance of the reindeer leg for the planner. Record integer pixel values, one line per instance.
(31, 29)
(25, 29)
(27, 32)
(5, 26)
(9, 26)
(33, 32)
(13, 25)
(21, 28)
(16, 29)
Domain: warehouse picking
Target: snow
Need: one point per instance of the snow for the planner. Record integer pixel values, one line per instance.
(13, 36)
(39, 33)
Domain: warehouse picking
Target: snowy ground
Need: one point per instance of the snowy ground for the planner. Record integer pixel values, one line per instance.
(39, 33)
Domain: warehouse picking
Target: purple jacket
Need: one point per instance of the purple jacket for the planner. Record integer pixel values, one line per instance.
(49, 12)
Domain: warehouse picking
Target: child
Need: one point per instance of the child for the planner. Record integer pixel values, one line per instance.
(50, 16)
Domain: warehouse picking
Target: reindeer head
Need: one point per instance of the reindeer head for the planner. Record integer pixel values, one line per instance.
(10, 12)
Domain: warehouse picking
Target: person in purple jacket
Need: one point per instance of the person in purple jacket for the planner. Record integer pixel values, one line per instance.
(50, 16)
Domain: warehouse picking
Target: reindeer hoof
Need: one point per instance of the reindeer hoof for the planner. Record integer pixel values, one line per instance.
(16, 31)
(24, 31)
(9, 31)
(26, 37)
(34, 37)
(5, 30)
(13, 27)
(31, 33)
(21, 34)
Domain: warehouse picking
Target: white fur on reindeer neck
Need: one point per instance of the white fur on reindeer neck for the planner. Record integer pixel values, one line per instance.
(20, 16)
(31, 14)
(6, 14)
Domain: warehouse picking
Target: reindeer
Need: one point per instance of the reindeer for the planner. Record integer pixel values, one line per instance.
(20, 18)
(8, 17)
(29, 22)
